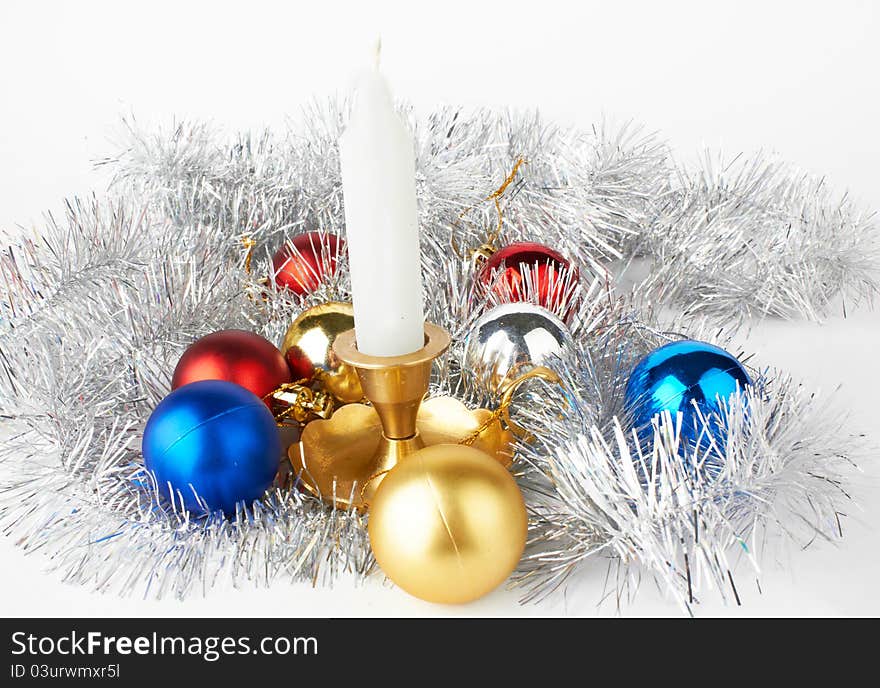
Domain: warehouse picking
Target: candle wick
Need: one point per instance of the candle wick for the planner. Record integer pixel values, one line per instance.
(377, 56)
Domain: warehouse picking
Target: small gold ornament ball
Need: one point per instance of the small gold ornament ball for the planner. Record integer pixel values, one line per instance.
(448, 524)
(308, 348)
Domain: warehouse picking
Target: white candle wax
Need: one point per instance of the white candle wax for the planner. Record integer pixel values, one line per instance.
(381, 222)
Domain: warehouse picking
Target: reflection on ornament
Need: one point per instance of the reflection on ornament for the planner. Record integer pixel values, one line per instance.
(308, 348)
(307, 260)
(237, 356)
(214, 439)
(448, 524)
(512, 338)
(682, 377)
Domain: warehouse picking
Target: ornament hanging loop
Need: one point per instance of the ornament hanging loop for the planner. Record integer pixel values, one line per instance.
(249, 244)
(487, 248)
(510, 388)
(496, 195)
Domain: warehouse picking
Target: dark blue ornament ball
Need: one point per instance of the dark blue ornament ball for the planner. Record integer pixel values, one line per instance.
(215, 438)
(674, 376)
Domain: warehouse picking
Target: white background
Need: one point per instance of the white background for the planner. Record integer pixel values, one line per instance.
(799, 78)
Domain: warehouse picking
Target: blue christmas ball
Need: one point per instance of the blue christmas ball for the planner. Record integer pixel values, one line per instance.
(215, 439)
(677, 376)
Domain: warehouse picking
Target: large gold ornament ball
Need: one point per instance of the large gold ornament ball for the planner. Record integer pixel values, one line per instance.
(448, 524)
(308, 348)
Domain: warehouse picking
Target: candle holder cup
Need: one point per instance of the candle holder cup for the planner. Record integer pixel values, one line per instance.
(344, 459)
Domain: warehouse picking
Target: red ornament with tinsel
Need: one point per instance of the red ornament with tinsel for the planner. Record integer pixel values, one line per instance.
(237, 356)
(306, 260)
(528, 271)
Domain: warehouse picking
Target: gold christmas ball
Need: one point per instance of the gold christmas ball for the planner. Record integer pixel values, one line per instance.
(308, 348)
(448, 524)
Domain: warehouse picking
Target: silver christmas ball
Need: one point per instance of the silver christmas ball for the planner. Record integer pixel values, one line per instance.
(510, 340)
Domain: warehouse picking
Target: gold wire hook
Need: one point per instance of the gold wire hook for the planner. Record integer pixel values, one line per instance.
(510, 388)
(488, 246)
(249, 243)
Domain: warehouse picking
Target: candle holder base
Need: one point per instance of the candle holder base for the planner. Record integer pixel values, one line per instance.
(344, 459)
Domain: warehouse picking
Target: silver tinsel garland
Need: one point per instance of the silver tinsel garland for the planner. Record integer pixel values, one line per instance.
(753, 236)
(688, 514)
(96, 310)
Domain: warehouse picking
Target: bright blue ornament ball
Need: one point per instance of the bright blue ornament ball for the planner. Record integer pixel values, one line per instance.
(216, 438)
(674, 376)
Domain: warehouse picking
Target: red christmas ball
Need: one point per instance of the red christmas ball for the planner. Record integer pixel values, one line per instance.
(304, 261)
(527, 271)
(237, 356)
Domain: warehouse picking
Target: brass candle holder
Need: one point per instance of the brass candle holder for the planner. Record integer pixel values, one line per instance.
(343, 459)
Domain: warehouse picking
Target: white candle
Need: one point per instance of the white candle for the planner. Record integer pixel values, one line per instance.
(381, 222)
